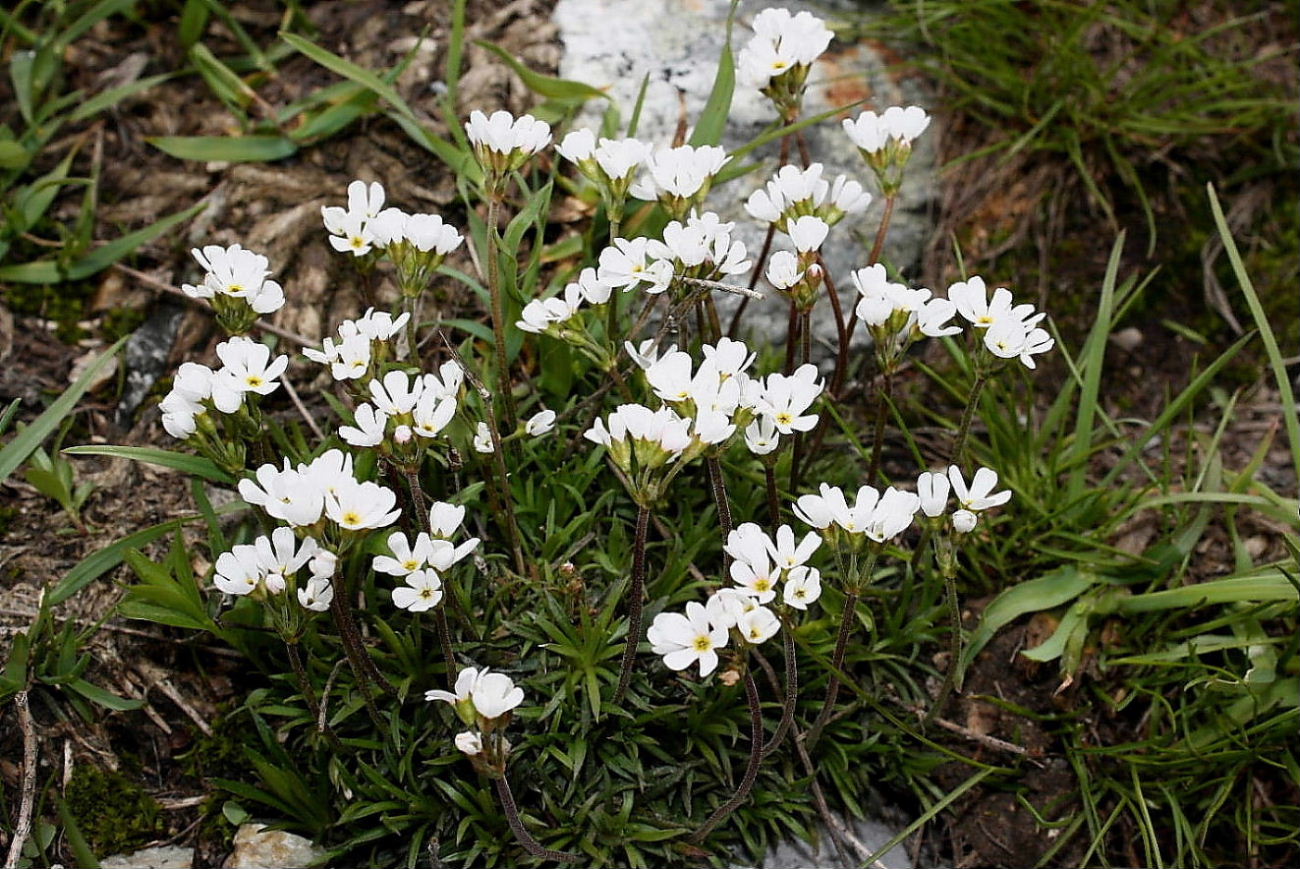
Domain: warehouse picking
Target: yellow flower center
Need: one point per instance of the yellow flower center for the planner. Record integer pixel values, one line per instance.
(235, 288)
(426, 593)
(702, 643)
(254, 381)
(762, 585)
(412, 564)
(784, 418)
(351, 518)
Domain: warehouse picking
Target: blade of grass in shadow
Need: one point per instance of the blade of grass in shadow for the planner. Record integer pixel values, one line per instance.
(26, 441)
(1275, 359)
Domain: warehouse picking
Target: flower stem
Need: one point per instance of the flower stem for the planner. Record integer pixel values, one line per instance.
(751, 769)
(358, 659)
(791, 688)
(837, 380)
(309, 696)
(951, 678)
(635, 593)
(882, 412)
(499, 315)
(837, 664)
(531, 845)
(773, 497)
(440, 614)
(967, 417)
(718, 484)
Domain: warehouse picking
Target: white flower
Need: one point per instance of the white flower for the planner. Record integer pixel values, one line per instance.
(360, 506)
(758, 625)
(577, 146)
(785, 399)
(284, 494)
(830, 507)
(780, 41)
(470, 743)
(646, 352)
(323, 564)
(783, 270)
(248, 367)
(238, 571)
(761, 437)
(872, 132)
(353, 235)
(502, 142)
(972, 301)
(378, 325)
(433, 411)
(483, 439)
(316, 595)
(491, 694)
(238, 273)
(963, 521)
(932, 488)
(367, 201)
(756, 575)
(616, 159)
(683, 640)
(980, 495)
(1010, 339)
(427, 233)
(397, 393)
(803, 586)
(540, 423)
(892, 514)
(786, 553)
(386, 227)
(423, 591)
(932, 319)
(280, 556)
(624, 265)
(807, 233)
(848, 196)
(679, 173)
(445, 519)
(369, 428)
(406, 559)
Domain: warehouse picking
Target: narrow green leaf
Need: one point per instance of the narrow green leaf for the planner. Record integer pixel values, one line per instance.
(545, 85)
(107, 699)
(1036, 595)
(26, 441)
(50, 271)
(193, 465)
(713, 118)
(113, 96)
(228, 149)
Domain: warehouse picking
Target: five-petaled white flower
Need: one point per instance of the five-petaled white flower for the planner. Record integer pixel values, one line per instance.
(980, 495)
(683, 640)
(422, 592)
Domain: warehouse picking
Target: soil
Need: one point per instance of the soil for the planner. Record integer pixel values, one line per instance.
(275, 209)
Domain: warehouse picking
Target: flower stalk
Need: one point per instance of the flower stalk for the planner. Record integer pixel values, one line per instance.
(721, 813)
(635, 593)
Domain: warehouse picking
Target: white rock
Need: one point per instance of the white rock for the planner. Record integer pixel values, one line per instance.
(612, 44)
(161, 857)
(259, 848)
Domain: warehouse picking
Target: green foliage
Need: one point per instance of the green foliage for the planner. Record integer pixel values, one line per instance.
(111, 810)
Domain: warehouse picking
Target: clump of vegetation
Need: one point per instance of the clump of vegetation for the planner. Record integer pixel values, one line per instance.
(113, 812)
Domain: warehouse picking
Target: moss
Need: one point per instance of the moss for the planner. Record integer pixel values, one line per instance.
(114, 813)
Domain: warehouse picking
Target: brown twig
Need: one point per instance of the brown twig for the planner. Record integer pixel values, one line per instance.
(23, 826)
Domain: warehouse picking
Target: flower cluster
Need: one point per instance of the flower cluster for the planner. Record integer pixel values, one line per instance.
(794, 192)
(874, 517)
(679, 178)
(760, 565)
(247, 368)
(554, 316)
(322, 496)
(777, 59)
(484, 701)
(423, 563)
(362, 345)
(610, 164)
(268, 567)
(1010, 331)
(503, 143)
(885, 141)
(404, 410)
(235, 282)
(896, 316)
(416, 244)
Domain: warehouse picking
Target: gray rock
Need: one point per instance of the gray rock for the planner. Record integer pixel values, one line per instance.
(614, 43)
(259, 848)
(161, 857)
(863, 838)
(146, 357)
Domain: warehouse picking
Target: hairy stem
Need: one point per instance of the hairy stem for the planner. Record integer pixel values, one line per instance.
(636, 592)
(751, 769)
(358, 660)
(718, 485)
(531, 845)
(309, 695)
(951, 678)
(837, 665)
(499, 315)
